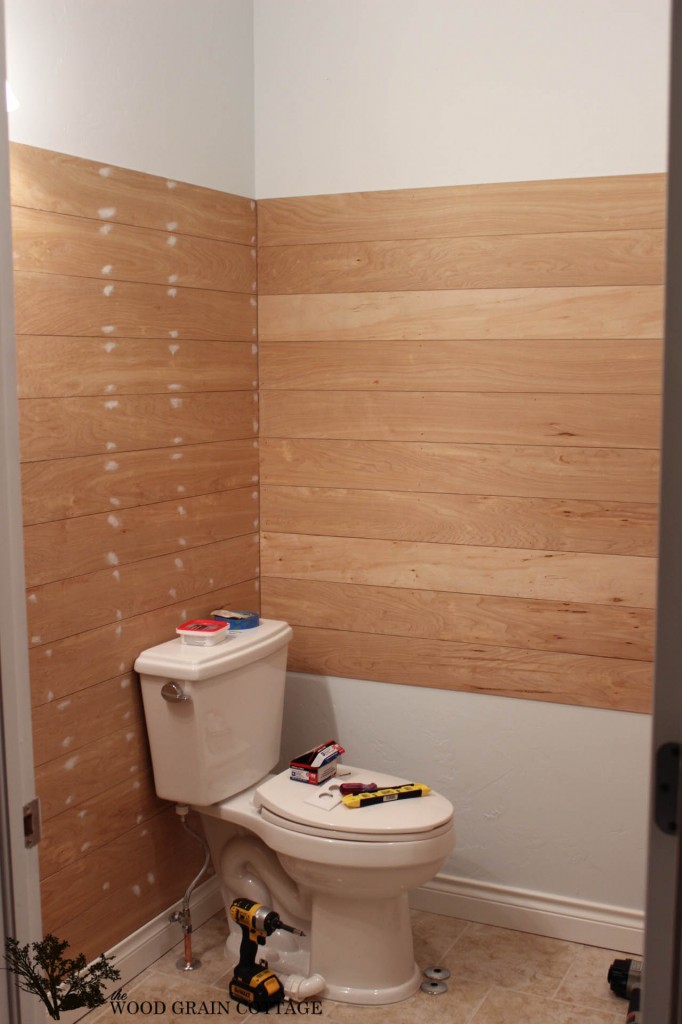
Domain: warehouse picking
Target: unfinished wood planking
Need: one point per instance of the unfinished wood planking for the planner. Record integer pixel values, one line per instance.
(503, 671)
(54, 304)
(611, 366)
(79, 603)
(625, 528)
(55, 367)
(460, 420)
(462, 568)
(68, 487)
(73, 547)
(82, 659)
(97, 821)
(621, 202)
(605, 631)
(500, 261)
(595, 474)
(44, 180)
(633, 311)
(137, 358)
(100, 426)
(51, 243)
(596, 421)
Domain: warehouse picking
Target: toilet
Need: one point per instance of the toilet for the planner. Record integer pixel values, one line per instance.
(341, 875)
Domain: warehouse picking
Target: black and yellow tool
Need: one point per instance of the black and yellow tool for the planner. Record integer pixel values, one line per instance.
(386, 795)
(254, 984)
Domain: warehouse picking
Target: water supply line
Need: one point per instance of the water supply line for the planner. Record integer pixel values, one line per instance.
(183, 916)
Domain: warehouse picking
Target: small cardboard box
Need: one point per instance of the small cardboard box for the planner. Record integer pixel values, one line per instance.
(316, 765)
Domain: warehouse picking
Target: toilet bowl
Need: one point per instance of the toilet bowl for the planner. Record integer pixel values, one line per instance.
(340, 875)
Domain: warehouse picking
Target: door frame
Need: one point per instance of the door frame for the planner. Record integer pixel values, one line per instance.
(19, 870)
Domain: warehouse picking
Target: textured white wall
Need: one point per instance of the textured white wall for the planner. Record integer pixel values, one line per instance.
(355, 95)
(161, 86)
(547, 798)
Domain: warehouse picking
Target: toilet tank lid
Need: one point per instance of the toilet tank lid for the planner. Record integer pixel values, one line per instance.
(177, 660)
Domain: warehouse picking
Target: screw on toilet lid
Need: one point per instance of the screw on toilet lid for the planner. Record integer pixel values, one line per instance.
(295, 802)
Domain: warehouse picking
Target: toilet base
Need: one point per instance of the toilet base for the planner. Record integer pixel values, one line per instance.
(372, 997)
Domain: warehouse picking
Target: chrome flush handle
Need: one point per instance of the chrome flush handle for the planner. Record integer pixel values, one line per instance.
(173, 693)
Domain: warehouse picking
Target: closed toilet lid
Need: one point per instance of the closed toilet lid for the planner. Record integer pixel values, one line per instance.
(318, 807)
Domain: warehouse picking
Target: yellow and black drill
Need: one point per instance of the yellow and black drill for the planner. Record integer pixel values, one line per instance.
(254, 984)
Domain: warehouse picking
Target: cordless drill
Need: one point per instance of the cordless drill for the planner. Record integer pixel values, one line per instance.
(253, 984)
(625, 979)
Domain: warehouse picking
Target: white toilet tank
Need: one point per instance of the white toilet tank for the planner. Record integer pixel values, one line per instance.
(214, 714)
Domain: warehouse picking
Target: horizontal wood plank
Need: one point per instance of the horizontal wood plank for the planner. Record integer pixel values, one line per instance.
(97, 821)
(595, 474)
(80, 603)
(622, 202)
(73, 547)
(543, 313)
(65, 726)
(64, 488)
(96, 426)
(529, 675)
(51, 243)
(501, 261)
(72, 778)
(54, 367)
(545, 523)
(53, 304)
(84, 659)
(595, 421)
(616, 366)
(44, 180)
(503, 572)
(605, 631)
(121, 908)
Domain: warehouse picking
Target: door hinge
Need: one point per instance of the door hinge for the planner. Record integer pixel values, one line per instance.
(32, 823)
(666, 788)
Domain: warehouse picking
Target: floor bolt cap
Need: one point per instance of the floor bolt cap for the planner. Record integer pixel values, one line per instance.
(434, 988)
(437, 973)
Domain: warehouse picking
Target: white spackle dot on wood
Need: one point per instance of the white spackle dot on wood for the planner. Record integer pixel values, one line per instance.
(33, 598)
(175, 387)
(116, 575)
(111, 466)
(48, 652)
(67, 741)
(179, 564)
(71, 763)
(182, 542)
(177, 440)
(171, 292)
(181, 488)
(182, 511)
(110, 388)
(176, 403)
(111, 403)
(105, 171)
(85, 847)
(118, 631)
(173, 349)
(115, 502)
(108, 290)
(254, 479)
(82, 814)
(177, 455)
(111, 446)
(109, 329)
(171, 225)
(113, 520)
(136, 890)
(109, 346)
(105, 886)
(112, 558)
(172, 592)
(173, 278)
(107, 268)
(171, 184)
(125, 683)
(36, 639)
(63, 705)
(174, 334)
(106, 212)
(106, 229)
(171, 241)
(122, 668)
(119, 613)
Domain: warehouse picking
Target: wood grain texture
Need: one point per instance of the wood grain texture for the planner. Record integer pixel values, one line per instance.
(64, 488)
(550, 471)
(77, 306)
(97, 821)
(595, 421)
(545, 523)
(625, 202)
(501, 261)
(96, 426)
(54, 367)
(74, 547)
(44, 180)
(51, 243)
(605, 631)
(615, 312)
(529, 675)
(612, 366)
(83, 659)
(80, 603)
(461, 568)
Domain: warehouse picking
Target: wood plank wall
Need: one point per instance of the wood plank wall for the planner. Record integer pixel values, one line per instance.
(137, 366)
(459, 434)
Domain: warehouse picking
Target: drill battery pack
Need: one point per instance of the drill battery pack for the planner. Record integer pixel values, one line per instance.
(261, 991)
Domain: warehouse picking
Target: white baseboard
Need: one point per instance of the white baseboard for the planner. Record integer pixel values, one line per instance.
(594, 924)
(149, 943)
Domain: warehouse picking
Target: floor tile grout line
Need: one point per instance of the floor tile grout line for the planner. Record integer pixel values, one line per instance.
(470, 1020)
(571, 966)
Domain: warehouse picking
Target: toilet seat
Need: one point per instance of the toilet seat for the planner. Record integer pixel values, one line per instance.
(316, 810)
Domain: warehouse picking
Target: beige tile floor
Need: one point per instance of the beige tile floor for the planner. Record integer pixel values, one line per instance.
(497, 976)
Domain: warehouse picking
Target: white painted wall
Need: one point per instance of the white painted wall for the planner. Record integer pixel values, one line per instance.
(356, 95)
(161, 86)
